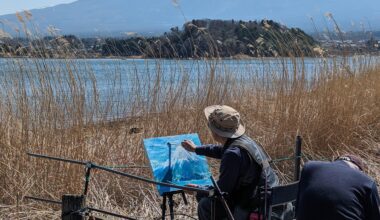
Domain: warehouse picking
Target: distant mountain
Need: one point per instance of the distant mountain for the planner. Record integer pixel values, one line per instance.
(116, 17)
(99, 17)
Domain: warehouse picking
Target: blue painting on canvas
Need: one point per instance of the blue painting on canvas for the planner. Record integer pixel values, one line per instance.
(171, 163)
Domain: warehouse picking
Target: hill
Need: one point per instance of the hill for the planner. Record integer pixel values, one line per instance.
(217, 38)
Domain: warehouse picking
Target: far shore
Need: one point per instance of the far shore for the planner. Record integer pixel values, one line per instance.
(237, 57)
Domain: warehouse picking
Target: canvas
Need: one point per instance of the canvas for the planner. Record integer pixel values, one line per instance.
(171, 163)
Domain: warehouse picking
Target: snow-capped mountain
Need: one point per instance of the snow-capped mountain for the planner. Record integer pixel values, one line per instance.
(116, 17)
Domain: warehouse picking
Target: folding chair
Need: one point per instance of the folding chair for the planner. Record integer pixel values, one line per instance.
(279, 196)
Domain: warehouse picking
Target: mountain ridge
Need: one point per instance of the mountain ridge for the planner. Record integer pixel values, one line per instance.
(115, 17)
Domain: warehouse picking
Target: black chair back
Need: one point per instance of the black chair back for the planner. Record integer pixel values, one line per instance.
(283, 194)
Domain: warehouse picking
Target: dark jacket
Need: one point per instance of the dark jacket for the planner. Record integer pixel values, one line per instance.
(240, 171)
(335, 191)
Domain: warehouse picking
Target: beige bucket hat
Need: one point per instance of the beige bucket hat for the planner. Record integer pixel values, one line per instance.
(224, 121)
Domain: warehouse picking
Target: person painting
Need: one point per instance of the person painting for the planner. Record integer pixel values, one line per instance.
(244, 164)
(337, 190)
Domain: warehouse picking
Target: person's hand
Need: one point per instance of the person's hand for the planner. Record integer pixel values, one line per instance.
(188, 145)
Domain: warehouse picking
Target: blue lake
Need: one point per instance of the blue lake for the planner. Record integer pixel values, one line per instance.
(116, 79)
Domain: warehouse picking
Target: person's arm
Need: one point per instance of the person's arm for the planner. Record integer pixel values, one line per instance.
(229, 171)
(211, 150)
(374, 204)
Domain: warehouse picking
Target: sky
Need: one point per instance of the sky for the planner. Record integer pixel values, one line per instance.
(11, 6)
(351, 15)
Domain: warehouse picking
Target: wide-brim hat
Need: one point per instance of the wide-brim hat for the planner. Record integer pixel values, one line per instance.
(224, 121)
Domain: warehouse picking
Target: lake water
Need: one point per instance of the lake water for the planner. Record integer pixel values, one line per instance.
(106, 70)
(116, 78)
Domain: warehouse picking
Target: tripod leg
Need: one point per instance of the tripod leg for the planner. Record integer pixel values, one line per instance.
(163, 207)
(171, 207)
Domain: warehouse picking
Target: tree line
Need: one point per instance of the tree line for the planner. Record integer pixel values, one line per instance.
(217, 38)
(196, 39)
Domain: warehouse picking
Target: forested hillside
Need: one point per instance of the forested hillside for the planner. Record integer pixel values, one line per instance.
(217, 38)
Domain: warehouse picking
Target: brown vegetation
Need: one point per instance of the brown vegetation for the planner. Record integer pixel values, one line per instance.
(54, 108)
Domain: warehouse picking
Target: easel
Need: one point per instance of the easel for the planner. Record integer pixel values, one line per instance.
(167, 197)
(217, 194)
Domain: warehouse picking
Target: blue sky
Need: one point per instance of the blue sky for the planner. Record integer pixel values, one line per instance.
(11, 6)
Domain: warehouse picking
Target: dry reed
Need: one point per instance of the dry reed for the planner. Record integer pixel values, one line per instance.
(58, 108)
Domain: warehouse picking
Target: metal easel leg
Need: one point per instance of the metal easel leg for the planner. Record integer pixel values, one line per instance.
(163, 207)
(171, 206)
(184, 197)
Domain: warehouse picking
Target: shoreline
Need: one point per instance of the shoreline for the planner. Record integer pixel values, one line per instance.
(198, 59)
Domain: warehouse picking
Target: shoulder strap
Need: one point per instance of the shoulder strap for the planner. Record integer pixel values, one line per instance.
(265, 161)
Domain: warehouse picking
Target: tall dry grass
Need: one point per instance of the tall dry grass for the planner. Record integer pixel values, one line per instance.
(56, 108)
